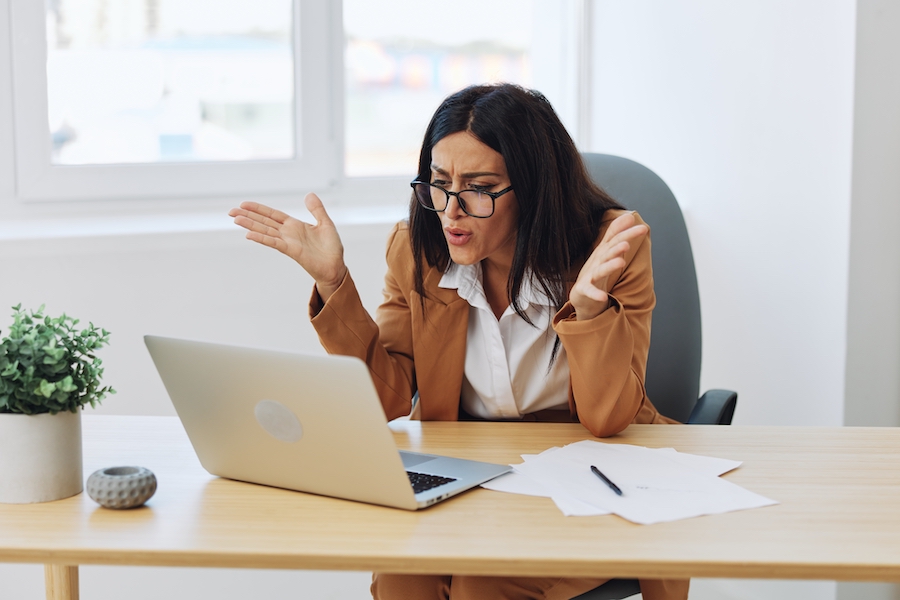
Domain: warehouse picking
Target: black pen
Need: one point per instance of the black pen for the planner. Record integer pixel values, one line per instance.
(606, 480)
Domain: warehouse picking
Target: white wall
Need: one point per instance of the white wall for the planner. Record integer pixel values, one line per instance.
(745, 110)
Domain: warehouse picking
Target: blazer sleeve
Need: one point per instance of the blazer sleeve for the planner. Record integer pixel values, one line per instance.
(607, 355)
(346, 328)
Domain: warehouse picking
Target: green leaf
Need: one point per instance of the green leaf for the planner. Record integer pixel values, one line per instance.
(46, 388)
(10, 369)
(66, 384)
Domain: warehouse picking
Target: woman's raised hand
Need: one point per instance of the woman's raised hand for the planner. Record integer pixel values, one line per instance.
(589, 294)
(317, 248)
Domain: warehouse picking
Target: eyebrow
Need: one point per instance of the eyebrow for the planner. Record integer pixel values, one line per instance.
(437, 169)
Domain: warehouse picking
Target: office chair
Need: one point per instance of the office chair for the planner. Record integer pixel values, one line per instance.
(673, 366)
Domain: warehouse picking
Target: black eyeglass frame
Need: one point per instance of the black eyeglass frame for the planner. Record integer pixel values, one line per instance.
(462, 204)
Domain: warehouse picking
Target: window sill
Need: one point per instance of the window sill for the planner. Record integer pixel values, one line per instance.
(199, 222)
(385, 201)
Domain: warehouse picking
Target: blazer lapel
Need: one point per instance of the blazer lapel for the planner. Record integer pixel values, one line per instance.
(439, 346)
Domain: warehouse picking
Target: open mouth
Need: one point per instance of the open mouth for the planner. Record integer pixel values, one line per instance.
(457, 237)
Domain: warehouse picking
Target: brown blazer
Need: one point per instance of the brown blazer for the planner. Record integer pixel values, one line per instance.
(420, 345)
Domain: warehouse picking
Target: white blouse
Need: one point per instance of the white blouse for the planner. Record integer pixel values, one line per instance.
(506, 370)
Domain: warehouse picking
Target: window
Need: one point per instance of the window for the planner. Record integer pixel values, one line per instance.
(399, 65)
(149, 81)
(185, 98)
(130, 98)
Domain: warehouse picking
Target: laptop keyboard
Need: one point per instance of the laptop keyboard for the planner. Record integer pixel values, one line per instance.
(422, 481)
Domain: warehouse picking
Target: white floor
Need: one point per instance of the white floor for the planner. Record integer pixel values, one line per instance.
(26, 582)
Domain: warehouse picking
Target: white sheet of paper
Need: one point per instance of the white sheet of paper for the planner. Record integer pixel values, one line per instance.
(705, 464)
(516, 483)
(658, 484)
(573, 507)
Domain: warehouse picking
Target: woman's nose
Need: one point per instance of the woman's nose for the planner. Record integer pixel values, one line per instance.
(453, 210)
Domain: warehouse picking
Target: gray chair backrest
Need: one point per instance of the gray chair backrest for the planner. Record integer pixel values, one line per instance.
(673, 367)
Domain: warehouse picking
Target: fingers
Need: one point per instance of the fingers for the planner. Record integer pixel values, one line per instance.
(317, 209)
(624, 228)
(265, 240)
(264, 219)
(605, 253)
(589, 295)
(258, 217)
(252, 224)
(263, 223)
(598, 273)
(316, 248)
(607, 268)
(590, 291)
(594, 276)
(263, 211)
(620, 224)
(617, 240)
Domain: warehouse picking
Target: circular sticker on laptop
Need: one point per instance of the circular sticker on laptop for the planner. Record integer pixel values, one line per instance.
(278, 421)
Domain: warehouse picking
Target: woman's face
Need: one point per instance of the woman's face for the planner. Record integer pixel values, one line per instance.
(461, 162)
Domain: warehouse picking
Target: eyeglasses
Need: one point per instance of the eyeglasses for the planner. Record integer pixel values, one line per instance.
(475, 203)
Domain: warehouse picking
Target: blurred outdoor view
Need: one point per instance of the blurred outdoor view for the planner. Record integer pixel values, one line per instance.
(404, 56)
(143, 81)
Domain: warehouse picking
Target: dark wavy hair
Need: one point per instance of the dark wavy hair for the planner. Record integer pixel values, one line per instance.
(560, 207)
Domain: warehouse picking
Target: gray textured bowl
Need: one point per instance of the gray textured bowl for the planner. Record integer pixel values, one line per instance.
(121, 487)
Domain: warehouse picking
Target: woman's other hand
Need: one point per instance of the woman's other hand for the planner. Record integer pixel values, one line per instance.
(589, 294)
(317, 248)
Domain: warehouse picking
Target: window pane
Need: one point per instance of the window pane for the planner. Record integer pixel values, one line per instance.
(146, 81)
(400, 63)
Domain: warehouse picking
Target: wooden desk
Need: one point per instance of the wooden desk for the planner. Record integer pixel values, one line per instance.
(839, 516)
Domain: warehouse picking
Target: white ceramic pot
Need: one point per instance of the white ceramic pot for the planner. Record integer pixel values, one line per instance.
(41, 457)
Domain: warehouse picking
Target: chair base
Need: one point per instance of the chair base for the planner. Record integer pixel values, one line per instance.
(614, 589)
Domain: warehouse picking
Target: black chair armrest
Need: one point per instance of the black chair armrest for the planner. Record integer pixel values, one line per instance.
(715, 407)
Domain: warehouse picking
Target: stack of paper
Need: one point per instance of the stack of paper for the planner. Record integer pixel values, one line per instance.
(657, 485)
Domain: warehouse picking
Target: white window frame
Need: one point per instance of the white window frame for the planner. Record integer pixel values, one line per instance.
(319, 76)
(318, 160)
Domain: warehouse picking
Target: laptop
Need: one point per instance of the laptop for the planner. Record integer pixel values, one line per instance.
(307, 423)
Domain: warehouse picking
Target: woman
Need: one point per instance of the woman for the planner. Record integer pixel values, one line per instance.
(517, 290)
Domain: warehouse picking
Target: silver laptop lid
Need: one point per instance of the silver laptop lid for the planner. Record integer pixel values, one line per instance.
(307, 423)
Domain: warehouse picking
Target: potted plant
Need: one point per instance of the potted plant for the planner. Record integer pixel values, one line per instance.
(48, 373)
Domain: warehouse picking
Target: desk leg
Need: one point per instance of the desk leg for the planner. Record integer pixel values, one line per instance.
(61, 582)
